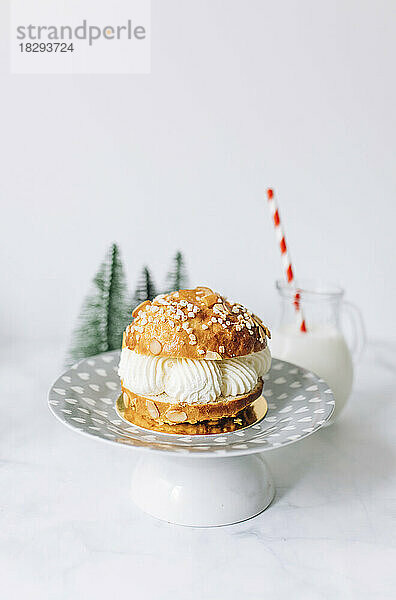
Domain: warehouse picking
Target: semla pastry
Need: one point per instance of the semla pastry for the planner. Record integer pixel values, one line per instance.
(192, 356)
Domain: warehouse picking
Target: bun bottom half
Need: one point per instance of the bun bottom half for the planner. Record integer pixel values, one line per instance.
(171, 413)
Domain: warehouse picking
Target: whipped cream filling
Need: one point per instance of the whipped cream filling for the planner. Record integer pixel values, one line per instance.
(189, 380)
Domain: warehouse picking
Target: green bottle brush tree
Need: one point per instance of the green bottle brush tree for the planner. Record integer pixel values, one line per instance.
(107, 309)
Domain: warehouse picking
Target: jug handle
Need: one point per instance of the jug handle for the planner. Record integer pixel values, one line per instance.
(358, 329)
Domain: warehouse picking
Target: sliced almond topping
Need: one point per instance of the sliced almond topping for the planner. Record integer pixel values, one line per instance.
(152, 409)
(205, 290)
(265, 331)
(210, 300)
(176, 416)
(204, 326)
(212, 355)
(155, 347)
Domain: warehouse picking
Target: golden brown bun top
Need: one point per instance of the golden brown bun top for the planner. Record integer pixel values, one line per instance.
(197, 324)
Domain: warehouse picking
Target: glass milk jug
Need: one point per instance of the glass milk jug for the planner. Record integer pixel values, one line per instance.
(322, 348)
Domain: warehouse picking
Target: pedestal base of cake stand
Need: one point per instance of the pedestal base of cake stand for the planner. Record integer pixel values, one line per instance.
(202, 492)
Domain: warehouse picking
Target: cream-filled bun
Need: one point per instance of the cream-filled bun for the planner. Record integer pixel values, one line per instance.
(191, 355)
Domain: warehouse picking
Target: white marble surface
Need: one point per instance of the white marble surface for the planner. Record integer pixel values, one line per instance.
(69, 531)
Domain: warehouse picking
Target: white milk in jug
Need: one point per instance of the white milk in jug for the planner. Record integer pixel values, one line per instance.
(322, 350)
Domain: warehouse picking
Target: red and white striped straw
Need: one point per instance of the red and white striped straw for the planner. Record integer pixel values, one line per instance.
(280, 235)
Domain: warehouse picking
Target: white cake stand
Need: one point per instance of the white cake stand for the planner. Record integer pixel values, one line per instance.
(199, 480)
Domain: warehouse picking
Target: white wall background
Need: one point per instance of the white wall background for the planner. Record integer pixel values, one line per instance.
(298, 95)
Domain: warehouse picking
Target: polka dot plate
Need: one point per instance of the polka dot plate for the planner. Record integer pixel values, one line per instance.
(84, 398)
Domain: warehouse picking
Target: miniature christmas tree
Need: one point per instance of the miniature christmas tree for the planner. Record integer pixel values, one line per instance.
(104, 314)
(145, 289)
(177, 277)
